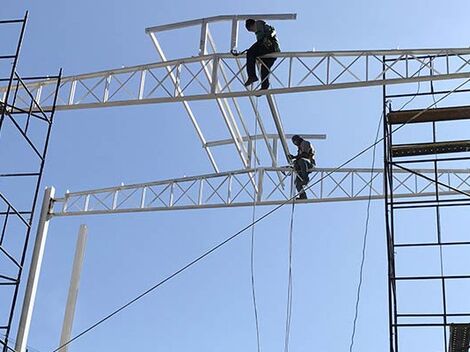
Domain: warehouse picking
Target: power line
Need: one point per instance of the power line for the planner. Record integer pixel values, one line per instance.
(265, 215)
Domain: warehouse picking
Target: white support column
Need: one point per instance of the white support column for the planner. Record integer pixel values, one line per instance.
(234, 34)
(73, 288)
(202, 42)
(34, 272)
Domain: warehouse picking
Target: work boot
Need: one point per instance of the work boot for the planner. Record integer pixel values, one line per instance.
(264, 85)
(302, 196)
(250, 81)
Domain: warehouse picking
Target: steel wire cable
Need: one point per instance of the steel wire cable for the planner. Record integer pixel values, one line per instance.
(289, 284)
(252, 247)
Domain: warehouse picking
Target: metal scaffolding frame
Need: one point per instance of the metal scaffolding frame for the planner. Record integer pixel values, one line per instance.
(31, 125)
(438, 323)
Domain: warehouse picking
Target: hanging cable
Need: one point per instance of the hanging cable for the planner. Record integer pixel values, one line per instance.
(289, 282)
(241, 231)
(417, 91)
(252, 249)
(12, 340)
(364, 240)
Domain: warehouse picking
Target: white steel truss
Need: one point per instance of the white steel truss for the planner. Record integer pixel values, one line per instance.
(293, 72)
(236, 189)
(233, 20)
(229, 113)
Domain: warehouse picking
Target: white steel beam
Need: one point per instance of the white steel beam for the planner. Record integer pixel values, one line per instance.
(224, 107)
(235, 189)
(73, 289)
(269, 136)
(278, 123)
(220, 18)
(293, 72)
(187, 108)
(34, 272)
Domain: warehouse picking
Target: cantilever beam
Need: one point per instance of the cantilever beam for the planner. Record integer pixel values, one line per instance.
(236, 189)
(232, 19)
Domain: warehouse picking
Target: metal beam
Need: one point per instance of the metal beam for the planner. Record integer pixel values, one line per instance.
(220, 18)
(269, 136)
(235, 189)
(293, 72)
(186, 105)
(278, 123)
(224, 107)
(73, 288)
(34, 272)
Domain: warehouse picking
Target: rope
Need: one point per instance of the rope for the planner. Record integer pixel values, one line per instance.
(289, 284)
(238, 233)
(252, 250)
(13, 341)
(364, 242)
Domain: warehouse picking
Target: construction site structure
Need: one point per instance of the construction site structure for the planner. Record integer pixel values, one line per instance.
(219, 76)
(443, 320)
(25, 128)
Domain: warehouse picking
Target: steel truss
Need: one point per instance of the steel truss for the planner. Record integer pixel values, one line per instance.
(259, 186)
(212, 75)
(444, 321)
(220, 77)
(293, 72)
(24, 132)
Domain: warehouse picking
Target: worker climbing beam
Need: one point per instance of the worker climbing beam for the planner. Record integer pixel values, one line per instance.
(187, 79)
(235, 189)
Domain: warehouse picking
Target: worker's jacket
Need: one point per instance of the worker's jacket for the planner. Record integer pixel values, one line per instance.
(266, 36)
(305, 151)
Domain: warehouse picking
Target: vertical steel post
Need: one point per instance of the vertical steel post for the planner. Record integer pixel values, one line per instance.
(34, 272)
(73, 288)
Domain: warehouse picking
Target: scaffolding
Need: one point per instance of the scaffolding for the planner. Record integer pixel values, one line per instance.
(429, 135)
(25, 129)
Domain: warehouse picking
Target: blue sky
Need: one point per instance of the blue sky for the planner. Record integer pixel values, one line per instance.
(208, 308)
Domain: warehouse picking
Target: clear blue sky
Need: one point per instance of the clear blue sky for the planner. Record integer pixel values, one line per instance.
(208, 308)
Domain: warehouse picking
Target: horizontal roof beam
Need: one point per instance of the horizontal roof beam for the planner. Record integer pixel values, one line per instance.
(220, 18)
(268, 136)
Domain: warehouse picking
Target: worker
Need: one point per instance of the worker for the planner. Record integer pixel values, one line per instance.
(304, 162)
(266, 43)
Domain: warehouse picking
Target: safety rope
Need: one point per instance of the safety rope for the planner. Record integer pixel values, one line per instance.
(364, 241)
(242, 230)
(289, 282)
(252, 249)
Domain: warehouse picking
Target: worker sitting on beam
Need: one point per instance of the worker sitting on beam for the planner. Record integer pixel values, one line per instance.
(304, 162)
(266, 43)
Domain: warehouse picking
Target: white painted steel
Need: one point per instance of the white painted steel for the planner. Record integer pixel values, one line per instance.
(235, 189)
(73, 288)
(34, 272)
(293, 72)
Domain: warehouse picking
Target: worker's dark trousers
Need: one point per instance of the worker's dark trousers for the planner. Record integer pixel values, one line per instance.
(301, 167)
(252, 53)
